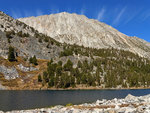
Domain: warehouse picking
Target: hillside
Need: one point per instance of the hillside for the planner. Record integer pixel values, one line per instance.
(21, 74)
(25, 39)
(63, 65)
(78, 29)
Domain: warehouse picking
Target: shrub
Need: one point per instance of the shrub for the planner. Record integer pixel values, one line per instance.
(9, 33)
(69, 104)
(19, 33)
(40, 40)
(46, 39)
(66, 52)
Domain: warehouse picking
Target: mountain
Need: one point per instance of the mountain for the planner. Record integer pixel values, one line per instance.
(26, 42)
(25, 39)
(33, 60)
(78, 29)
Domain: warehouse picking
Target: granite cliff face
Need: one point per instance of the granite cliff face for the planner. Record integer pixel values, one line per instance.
(78, 29)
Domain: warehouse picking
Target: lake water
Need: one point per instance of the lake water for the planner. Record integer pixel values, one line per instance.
(16, 100)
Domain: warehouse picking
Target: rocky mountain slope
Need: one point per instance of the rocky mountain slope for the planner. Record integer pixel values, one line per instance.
(78, 29)
(62, 65)
(26, 42)
(25, 39)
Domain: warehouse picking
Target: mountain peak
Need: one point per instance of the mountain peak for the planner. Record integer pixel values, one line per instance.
(58, 15)
(78, 29)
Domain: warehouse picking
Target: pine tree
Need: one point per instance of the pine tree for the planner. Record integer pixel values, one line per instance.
(11, 55)
(68, 66)
(34, 60)
(51, 82)
(79, 64)
(31, 60)
(45, 76)
(39, 78)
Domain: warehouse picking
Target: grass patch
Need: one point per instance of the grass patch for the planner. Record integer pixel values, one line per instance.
(69, 104)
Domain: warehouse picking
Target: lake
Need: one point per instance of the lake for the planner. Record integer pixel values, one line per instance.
(17, 100)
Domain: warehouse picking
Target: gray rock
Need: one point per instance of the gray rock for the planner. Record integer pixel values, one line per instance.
(9, 72)
(131, 98)
(26, 69)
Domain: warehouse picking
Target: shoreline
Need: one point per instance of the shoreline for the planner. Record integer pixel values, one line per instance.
(83, 88)
(129, 104)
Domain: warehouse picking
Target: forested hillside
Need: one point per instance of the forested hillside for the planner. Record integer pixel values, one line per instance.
(106, 68)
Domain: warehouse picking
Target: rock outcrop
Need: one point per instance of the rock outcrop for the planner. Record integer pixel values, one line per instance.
(78, 29)
(8, 23)
(26, 69)
(9, 72)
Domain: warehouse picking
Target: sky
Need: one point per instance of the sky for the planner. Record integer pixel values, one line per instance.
(131, 17)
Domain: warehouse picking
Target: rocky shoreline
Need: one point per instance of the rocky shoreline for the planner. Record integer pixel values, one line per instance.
(130, 104)
(76, 88)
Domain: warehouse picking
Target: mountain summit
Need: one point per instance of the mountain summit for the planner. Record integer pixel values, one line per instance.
(78, 29)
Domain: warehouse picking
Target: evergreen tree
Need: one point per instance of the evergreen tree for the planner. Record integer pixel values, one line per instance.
(58, 70)
(60, 63)
(39, 78)
(45, 76)
(56, 81)
(68, 66)
(79, 64)
(51, 82)
(31, 60)
(11, 55)
(34, 60)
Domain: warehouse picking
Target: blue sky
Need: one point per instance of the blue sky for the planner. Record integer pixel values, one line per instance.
(131, 17)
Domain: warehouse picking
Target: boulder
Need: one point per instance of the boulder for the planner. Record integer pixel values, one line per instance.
(130, 98)
(9, 72)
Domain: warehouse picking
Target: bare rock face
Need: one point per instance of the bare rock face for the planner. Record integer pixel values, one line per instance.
(8, 23)
(9, 73)
(78, 29)
(26, 69)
